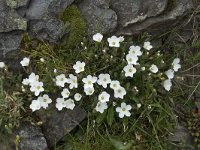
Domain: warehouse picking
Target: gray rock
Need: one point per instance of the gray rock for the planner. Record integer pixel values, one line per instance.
(56, 124)
(182, 136)
(102, 3)
(50, 29)
(40, 8)
(133, 11)
(98, 19)
(166, 20)
(17, 3)
(10, 20)
(22, 6)
(10, 41)
(58, 6)
(31, 138)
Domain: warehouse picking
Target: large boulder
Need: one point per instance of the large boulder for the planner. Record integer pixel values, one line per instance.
(48, 29)
(133, 11)
(161, 17)
(39, 9)
(98, 16)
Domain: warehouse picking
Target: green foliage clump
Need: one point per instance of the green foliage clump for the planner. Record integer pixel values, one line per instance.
(10, 102)
(77, 26)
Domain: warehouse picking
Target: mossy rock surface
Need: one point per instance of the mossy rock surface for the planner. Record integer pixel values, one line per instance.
(75, 24)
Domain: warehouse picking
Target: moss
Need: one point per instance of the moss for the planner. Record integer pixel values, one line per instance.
(77, 26)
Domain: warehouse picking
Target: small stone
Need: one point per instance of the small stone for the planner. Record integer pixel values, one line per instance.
(31, 138)
(10, 41)
(10, 20)
(181, 134)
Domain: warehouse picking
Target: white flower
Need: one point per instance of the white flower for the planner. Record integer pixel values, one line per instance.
(135, 50)
(131, 59)
(149, 107)
(61, 80)
(147, 45)
(89, 81)
(23, 89)
(72, 80)
(60, 103)
(33, 78)
(114, 41)
(2, 64)
(119, 92)
(89, 91)
(55, 70)
(104, 80)
(97, 37)
(124, 110)
(121, 38)
(42, 59)
(101, 107)
(77, 97)
(170, 73)
(176, 61)
(153, 68)
(167, 84)
(70, 104)
(25, 62)
(114, 84)
(25, 81)
(65, 93)
(104, 97)
(175, 64)
(129, 70)
(139, 105)
(44, 101)
(79, 67)
(35, 105)
(37, 88)
(143, 68)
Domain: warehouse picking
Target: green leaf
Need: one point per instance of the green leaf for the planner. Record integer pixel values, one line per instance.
(119, 145)
(101, 118)
(110, 115)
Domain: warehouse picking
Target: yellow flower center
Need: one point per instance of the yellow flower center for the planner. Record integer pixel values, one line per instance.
(102, 97)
